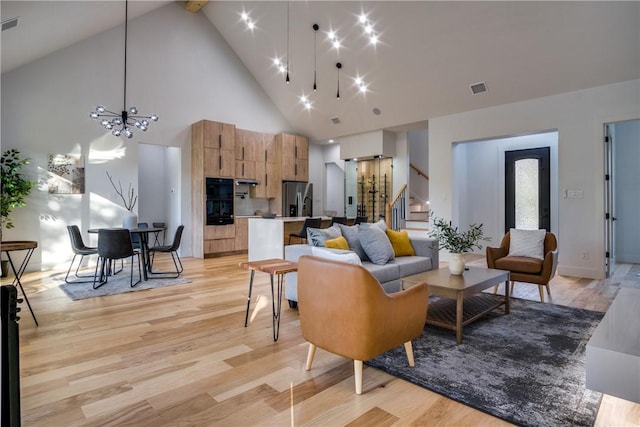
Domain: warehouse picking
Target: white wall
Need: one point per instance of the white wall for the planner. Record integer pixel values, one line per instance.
(626, 181)
(578, 117)
(334, 198)
(479, 194)
(179, 67)
(419, 156)
(152, 184)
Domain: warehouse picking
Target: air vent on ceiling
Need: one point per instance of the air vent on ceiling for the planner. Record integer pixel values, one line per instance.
(335, 120)
(10, 23)
(477, 88)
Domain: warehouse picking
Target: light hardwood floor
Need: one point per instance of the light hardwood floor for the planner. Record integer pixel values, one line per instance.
(181, 356)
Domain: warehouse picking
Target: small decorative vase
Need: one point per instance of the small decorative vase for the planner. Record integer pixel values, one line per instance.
(456, 264)
(129, 220)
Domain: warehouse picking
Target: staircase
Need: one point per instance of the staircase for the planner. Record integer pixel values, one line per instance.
(417, 224)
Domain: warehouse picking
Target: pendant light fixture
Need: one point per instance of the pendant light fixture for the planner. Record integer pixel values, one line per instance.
(338, 66)
(287, 78)
(316, 27)
(123, 123)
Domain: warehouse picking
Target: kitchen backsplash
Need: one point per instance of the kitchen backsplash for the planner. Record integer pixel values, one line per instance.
(245, 205)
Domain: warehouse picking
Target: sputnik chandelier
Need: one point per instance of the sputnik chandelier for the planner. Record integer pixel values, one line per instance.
(336, 43)
(121, 124)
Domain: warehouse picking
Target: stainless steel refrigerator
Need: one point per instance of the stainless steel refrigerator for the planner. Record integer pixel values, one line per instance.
(297, 198)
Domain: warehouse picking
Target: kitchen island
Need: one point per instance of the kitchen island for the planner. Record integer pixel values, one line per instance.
(267, 237)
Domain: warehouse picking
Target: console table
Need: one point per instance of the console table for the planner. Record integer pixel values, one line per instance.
(613, 351)
(20, 245)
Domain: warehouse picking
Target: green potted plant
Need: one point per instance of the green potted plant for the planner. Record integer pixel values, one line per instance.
(15, 187)
(456, 241)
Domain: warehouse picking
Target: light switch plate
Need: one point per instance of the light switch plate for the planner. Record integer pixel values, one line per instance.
(575, 194)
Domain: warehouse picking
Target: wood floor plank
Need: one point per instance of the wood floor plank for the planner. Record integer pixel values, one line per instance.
(181, 356)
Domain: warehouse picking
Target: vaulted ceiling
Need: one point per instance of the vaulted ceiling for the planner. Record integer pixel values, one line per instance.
(427, 56)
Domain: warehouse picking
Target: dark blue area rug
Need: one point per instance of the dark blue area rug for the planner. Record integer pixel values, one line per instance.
(527, 367)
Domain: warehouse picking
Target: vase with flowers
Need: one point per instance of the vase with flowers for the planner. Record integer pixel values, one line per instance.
(456, 241)
(129, 219)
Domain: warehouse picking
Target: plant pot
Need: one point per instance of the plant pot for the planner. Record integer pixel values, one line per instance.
(456, 264)
(129, 220)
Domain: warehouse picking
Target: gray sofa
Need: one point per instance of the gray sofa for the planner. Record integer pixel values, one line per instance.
(388, 275)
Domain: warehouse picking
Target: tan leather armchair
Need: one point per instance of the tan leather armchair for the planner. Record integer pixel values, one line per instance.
(344, 310)
(524, 269)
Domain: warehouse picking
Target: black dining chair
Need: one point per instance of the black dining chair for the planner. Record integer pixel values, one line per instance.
(308, 223)
(157, 233)
(114, 244)
(79, 248)
(339, 220)
(135, 238)
(169, 249)
(361, 219)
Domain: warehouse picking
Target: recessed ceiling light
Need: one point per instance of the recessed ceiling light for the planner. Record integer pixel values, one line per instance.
(331, 141)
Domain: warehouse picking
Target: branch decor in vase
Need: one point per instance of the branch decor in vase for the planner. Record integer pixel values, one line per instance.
(129, 219)
(457, 242)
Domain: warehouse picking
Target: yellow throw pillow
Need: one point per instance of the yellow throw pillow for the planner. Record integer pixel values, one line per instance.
(400, 243)
(337, 243)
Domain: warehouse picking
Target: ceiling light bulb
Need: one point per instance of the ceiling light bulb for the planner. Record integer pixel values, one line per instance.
(276, 61)
(363, 18)
(250, 25)
(363, 89)
(100, 109)
(358, 81)
(245, 16)
(282, 69)
(331, 35)
(93, 115)
(303, 99)
(374, 40)
(336, 44)
(307, 105)
(368, 29)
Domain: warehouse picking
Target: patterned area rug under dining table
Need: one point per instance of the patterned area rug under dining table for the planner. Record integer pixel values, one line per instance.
(118, 284)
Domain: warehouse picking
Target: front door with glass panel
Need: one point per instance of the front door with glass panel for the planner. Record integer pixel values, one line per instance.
(527, 189)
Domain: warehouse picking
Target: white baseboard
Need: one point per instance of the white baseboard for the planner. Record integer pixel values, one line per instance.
(587, 273)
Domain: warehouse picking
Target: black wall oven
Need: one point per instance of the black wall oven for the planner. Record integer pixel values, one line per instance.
(219, 201)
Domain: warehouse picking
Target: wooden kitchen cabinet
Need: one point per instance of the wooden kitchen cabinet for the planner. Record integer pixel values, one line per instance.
(242, 234)
(295, 157)
(212, 155)
(245, 169)
(215, 143)
(267, 169)
(247, 153)
(248, 145)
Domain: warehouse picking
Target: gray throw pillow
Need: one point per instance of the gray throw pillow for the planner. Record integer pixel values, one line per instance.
(351, 234)
(375, 243)
(317, 236)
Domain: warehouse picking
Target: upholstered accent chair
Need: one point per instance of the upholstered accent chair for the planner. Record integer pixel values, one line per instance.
(344, 310)
(526, 269)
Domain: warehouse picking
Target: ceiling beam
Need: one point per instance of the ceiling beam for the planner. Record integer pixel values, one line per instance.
(194, 6)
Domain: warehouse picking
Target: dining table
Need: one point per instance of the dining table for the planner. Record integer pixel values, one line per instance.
(143, 235)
